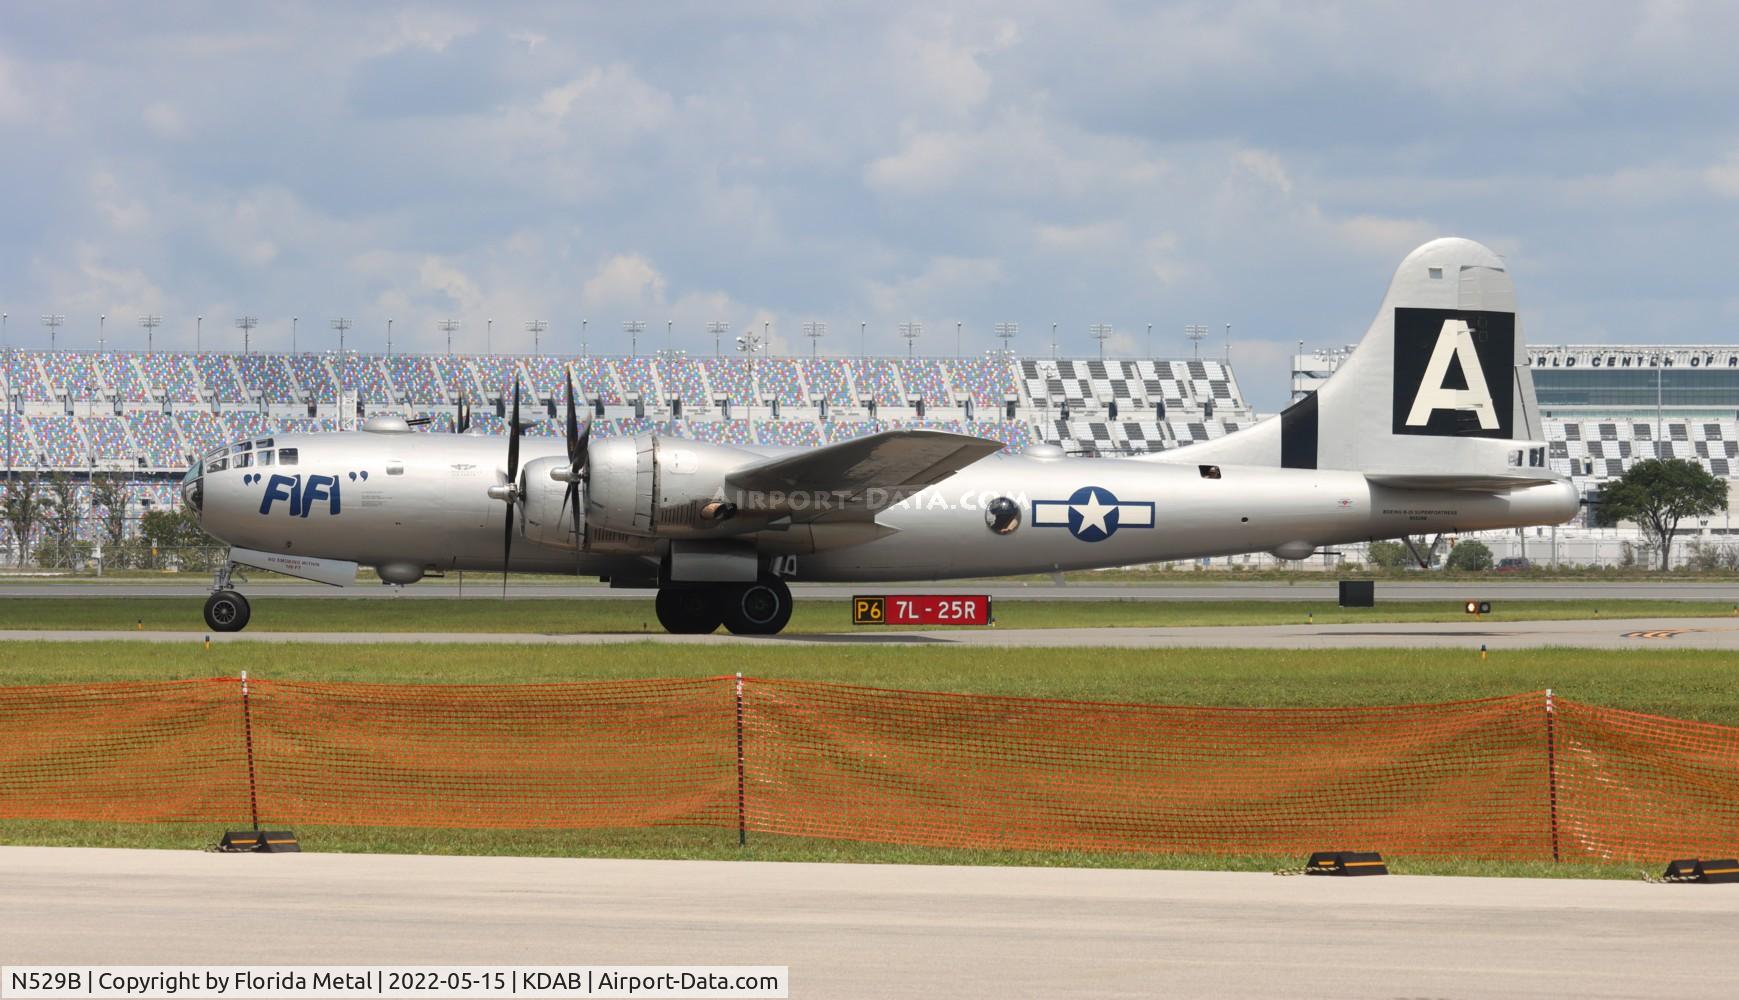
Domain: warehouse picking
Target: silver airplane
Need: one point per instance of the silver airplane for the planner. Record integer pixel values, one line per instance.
(1430, 426)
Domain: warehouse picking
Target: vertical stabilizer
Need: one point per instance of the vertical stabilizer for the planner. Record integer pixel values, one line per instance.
(1438, 390)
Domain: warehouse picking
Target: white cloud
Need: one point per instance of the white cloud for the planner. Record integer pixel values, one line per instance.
(1395, 237)
(164, 120)
(625, 281)
(1723, 178)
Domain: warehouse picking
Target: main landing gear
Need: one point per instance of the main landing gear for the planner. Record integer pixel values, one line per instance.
(759, 608)
(226, 610)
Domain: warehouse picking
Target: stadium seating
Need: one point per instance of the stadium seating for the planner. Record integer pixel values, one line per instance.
(878, 379)
(266, 376)
(119, 377)
(413, 380)
(313, 378)
(171, 375)
(829, 379)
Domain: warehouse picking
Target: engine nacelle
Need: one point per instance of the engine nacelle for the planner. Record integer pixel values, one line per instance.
(542, 516)
(663, 487)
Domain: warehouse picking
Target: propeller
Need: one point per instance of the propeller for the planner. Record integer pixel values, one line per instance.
(510, 492)
(577, 436)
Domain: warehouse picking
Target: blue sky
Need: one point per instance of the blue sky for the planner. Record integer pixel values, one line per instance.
(1259, 164)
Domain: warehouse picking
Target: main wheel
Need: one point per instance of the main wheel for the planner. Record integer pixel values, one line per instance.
(689, 610)
(759, 608)
(227, 611)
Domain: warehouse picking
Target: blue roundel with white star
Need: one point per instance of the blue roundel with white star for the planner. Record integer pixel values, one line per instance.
(1092, 513)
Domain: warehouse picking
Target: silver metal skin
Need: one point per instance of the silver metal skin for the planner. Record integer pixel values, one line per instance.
(1428, 428)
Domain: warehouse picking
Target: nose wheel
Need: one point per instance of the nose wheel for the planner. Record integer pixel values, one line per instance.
(227, 611)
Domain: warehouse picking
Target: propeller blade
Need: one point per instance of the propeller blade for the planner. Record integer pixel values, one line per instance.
(513, 431)
(577, 438)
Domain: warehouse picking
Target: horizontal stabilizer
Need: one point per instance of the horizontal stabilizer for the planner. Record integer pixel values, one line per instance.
(894, 462)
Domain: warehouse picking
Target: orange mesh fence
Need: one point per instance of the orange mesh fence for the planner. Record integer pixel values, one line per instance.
(968, 771)
(1505, 778)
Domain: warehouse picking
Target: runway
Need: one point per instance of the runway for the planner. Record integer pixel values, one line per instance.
(881, 931)
(489, 588)
(1615, 633)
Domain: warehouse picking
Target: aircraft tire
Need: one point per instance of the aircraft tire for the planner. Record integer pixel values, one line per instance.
(759, 608)
(689, 610)
(227, 611)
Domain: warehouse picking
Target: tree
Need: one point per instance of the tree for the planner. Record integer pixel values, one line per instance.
(1659, 493)
(61, 546)
(178, 532)
(1388, 555)
(1470, 556)
(111, 494)
(24, 507)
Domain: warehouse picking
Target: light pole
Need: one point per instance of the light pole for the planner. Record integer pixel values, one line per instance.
(102, 331)
(341, 324)
(814, 331)
(1228, 343)
(911, 331)
(668, 325)
(1101, 333)
(537, 327)
(717, 328)
(447, 327)
(1150, 340)
(199, 334)
(750, 345)
(862, 336)
(583, 337)
(246, 325)
(633, 329)
(1053, 340)
(389, 336)
(489, 336)
(957, 326)
(53, 321)
(293, 321)
(1005, 332)
(1196, 333)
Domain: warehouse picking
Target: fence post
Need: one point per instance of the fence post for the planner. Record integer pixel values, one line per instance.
(742, 778)
(1552, 770)
(248, 737)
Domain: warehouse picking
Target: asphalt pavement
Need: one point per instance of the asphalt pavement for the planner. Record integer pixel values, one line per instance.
(882, 931)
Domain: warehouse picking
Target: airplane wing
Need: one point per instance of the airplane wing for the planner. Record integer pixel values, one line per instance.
(894, 464)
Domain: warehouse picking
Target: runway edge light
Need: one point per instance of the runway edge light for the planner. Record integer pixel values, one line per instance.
(1346, 863)
(1704, 871)
(259, 842)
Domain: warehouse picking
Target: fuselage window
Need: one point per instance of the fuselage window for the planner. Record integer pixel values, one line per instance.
(244, 460)
(263, 443)
(242, 446)
(286, 456)
(1209, 471)
(395, 468)
(265, 458)
(217, 465)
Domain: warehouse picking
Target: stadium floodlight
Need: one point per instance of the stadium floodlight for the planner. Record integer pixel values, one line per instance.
(583, 323)
(1150, 340)
(911, 331)
(1101, 332)
(717, 328)
(489, 335)
(633, 328)
(150, 323)
(537, 327)
(1053, 341)
(102, 331)
(1005, 332)
(751, 344)
(447, 326)
(341, 324)
(814, 331)
(54, 321)
(957, 327)
(294, 320)
(389, 336)
(198, 334)
(246, 325)
(1196, 333)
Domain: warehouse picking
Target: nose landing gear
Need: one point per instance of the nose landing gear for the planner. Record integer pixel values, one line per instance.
(226, 610)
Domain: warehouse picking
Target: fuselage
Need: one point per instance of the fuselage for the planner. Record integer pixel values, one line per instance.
(422, 500)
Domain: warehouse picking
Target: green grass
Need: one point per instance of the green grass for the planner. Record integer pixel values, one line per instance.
(1691, 684)
(695, 844)
(573, 615)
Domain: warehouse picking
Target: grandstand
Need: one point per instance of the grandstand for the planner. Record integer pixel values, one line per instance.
(151, 413)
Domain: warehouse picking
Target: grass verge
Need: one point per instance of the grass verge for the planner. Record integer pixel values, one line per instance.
(575, 615)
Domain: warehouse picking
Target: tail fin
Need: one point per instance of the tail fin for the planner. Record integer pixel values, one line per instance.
(1437, 393)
